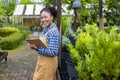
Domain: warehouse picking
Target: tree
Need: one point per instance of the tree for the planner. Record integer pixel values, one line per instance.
(2, 11)
(112, 12)
(89, 11)
(26, 2)
(7, 8)
(47, 2)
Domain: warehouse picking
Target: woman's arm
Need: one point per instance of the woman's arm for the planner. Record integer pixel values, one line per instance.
(53, 46)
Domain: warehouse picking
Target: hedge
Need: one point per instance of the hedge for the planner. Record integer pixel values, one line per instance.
(12, 41)
(6, 31)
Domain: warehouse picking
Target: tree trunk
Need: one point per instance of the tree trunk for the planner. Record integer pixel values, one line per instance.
(100, 15)
(59, 3)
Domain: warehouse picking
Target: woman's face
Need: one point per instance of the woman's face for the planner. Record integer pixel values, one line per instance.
(46, 18)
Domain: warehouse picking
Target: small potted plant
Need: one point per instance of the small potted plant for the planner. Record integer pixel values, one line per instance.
(65, 42)
(65, 38)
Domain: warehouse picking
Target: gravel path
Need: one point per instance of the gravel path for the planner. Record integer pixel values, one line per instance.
(20, 65)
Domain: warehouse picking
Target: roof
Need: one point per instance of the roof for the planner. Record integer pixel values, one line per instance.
(34, 10)
(27, 10)
(38, 9)
(19, 10)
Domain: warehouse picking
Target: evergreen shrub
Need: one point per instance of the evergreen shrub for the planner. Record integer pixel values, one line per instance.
(96, 53)
(6, 31)
(12, 41)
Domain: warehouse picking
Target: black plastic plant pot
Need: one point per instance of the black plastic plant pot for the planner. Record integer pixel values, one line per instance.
(64, 49)
(74, 78)
(3, 55)
(72, 73)
(63, 70)
(65, 55)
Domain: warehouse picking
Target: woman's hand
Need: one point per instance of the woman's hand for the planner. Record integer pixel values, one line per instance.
(32, 46)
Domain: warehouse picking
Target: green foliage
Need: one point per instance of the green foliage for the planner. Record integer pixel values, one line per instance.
(97, 53)
(6, 31)
(2, 11)
(10, 8)
(26, 2)
(0, 40)
(112, 11)
(14, 40)
(64, 25)
(70, 32)
(47, 2)
(25, 33)
(89, 11)
(7, 9)
(66, 31)
(65, 41)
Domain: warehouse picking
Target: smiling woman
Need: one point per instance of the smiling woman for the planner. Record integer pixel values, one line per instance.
(47, 57)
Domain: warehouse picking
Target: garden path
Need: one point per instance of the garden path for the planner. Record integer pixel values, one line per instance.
(20, 64)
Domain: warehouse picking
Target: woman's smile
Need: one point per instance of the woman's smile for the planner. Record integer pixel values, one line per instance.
(46, 18)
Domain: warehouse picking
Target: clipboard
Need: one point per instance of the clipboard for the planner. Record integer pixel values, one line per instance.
(39, 42)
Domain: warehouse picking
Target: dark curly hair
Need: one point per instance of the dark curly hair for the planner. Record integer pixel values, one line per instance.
(51, 10)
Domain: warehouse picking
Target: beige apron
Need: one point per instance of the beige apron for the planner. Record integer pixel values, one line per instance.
(46, 68)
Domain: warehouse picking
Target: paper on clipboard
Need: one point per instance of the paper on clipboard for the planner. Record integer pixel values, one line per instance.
(39, 42)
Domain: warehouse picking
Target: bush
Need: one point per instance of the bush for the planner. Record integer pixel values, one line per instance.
(6, 31)
(67, 32)
(64, 25)
(96, 54)
(13, 41)
(25, 33)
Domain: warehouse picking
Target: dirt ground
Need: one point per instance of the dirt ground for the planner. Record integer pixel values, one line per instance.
(20, 65)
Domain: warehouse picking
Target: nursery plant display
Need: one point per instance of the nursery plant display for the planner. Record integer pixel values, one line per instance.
(96, 54)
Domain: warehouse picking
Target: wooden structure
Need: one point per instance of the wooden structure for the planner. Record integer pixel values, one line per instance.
(28, 14)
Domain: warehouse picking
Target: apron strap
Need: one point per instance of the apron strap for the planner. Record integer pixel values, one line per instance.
(47, 32)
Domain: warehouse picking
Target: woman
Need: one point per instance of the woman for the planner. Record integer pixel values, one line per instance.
(47, 57)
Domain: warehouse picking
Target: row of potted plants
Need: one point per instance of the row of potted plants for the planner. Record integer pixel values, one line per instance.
(67, 38)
